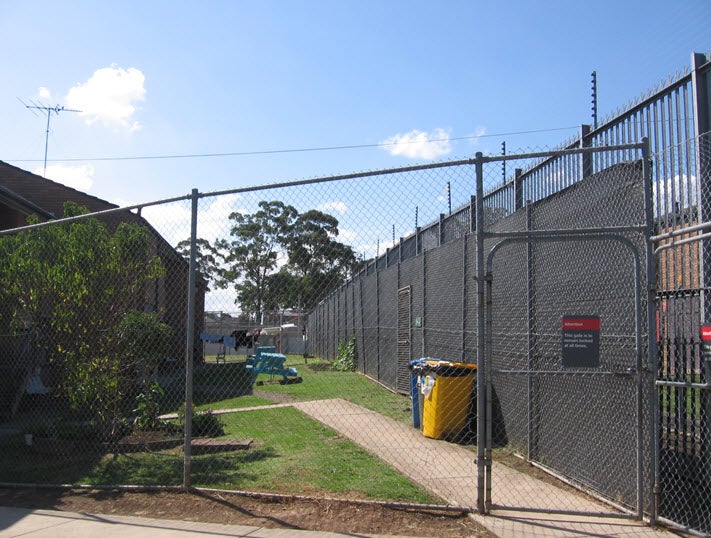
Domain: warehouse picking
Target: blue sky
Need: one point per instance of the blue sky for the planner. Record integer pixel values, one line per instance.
(163, 78)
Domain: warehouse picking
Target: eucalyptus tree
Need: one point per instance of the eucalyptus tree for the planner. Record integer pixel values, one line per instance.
(252, 252)
(279, 259)
(317, 258)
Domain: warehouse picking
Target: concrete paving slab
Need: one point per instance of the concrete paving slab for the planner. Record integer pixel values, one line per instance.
(533, 507)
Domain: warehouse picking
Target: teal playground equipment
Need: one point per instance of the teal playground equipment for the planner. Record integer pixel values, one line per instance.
(267, 361)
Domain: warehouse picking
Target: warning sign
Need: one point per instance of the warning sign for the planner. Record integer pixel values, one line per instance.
(581, 341)
(706, 342)
(706, 352)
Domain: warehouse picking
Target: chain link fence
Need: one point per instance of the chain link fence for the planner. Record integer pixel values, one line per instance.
(340, 342)
(93, 324)
(684, 366)
(96, 386)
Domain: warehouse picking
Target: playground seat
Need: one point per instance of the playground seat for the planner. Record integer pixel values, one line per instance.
(271, 364)
(253, 359)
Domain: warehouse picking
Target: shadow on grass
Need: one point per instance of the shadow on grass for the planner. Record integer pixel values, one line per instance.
(65, 463)
(211, 383)
(20, 464)
(166, 469)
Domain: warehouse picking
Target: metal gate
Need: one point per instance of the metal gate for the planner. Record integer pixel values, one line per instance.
(563, 310)
(566, 372)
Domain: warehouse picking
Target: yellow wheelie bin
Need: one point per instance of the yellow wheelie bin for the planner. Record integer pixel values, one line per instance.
(447, 390)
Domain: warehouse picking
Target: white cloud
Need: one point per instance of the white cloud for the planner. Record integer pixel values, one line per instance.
(109, 96)
(221, 300)
(347, 235)
(44, 93)
(675, 194)
(173, 220)
(338, 207)
(80, 177)
(418, 144)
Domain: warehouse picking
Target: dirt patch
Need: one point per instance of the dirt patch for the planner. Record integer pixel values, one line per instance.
(230, 509)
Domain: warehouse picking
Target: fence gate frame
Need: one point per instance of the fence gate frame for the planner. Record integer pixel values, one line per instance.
(638, 374)
(485, 279)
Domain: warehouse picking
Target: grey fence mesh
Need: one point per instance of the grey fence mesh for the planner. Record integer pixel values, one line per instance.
(290, 383)
(316, 357)
(684, 370)
(570, 400)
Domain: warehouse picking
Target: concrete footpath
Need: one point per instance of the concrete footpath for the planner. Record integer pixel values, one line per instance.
(26, 523)
(533, 507)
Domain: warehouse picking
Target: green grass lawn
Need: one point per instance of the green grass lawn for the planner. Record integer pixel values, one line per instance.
(321, 383)
(290, 453)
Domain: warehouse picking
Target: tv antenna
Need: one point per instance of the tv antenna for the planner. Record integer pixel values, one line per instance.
(48, 109)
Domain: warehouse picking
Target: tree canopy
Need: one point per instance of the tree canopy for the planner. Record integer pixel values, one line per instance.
(73, 288)
(277, 258)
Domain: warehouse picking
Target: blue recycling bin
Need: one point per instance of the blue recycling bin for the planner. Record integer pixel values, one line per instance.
(415, 366)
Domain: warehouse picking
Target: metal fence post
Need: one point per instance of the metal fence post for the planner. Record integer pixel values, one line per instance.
(472, 214)
(465, 293)
(377, 321)
(362, 324)
(518, 189)
(425, 319)
(483, 485)
(702, 125)
(190, 342)
(651, 328)
(530, 310)
(586, 163)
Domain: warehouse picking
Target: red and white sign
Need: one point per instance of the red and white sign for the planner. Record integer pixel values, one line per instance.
(580, 341)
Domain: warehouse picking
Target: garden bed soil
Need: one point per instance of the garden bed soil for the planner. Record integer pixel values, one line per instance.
(140, 441)
(231, 509)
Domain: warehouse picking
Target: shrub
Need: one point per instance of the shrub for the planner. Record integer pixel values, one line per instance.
(207, 424)
(204, 423)
(148, 409)
(347, 359)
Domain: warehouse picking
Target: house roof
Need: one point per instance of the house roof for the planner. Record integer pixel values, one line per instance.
(45, 194)
(21, 204)
(32, 194)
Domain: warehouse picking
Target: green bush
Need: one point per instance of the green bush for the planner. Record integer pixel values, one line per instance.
(347, 359)
(204, 423)
(207, 424)
(147, 409)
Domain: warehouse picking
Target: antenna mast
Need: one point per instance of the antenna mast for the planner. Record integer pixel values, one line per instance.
(48, 109)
